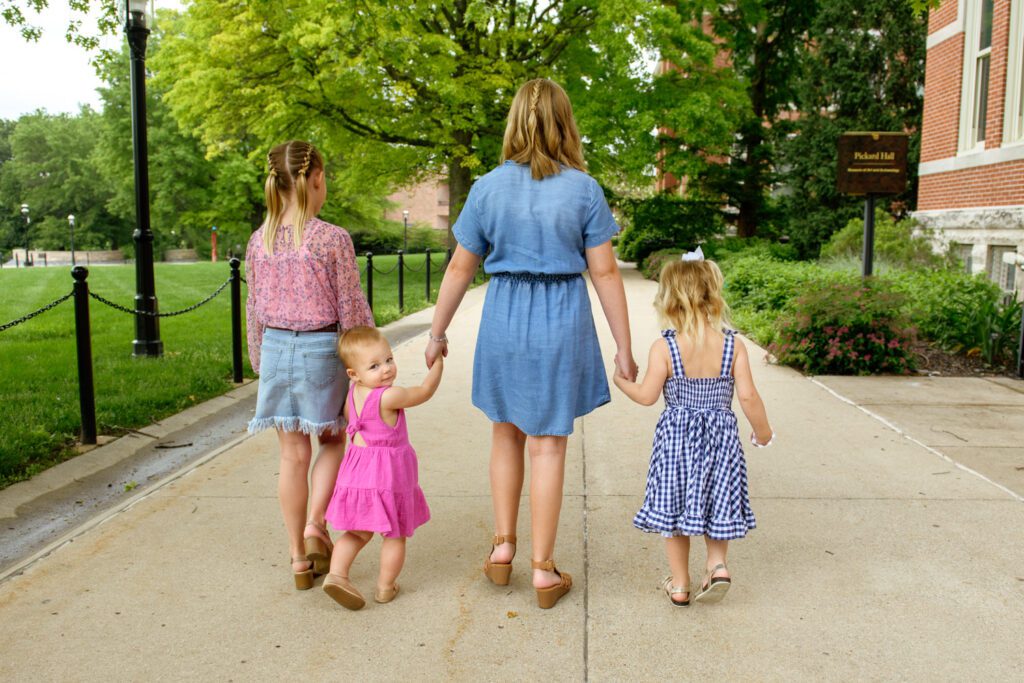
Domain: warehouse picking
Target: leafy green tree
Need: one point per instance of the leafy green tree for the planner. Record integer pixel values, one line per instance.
(865, 72)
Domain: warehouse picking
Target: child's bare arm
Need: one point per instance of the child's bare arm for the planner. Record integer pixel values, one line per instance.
(750, 400)
(397, 398)
(648, 391)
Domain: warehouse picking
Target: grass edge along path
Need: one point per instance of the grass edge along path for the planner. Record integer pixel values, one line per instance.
(38, 363)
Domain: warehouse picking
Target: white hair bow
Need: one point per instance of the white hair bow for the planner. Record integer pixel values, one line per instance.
(695, 255)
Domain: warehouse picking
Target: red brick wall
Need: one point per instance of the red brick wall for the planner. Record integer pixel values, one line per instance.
(942, 86)
(992, 185)
(945, 14)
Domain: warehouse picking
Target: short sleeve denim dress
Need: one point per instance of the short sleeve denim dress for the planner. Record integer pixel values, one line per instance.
(538, 364)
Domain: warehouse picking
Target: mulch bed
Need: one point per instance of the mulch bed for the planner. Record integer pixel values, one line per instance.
(932, 360)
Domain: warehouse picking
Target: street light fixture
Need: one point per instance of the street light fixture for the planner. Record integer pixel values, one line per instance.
(147, 325)
(28, 221)
(405, 231)
(71, 225)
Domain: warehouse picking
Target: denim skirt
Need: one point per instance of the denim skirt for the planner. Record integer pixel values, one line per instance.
(303, 383)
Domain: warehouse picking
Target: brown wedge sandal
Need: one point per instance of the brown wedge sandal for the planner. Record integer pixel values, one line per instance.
(499, 572)
(303, 578)
(547, 597)
(319, 548)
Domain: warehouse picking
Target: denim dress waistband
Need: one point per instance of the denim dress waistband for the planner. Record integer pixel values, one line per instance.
(538, 277)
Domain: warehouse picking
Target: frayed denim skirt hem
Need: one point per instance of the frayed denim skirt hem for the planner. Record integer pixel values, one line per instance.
(302, 384)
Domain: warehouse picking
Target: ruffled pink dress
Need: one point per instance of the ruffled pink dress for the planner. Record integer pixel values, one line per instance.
(378, 484)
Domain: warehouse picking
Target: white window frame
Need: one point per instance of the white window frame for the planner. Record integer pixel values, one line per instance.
(968, 96)
(1013, 119)
(1000, 272)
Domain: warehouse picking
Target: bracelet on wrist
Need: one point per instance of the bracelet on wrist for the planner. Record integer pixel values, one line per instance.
(443, 339)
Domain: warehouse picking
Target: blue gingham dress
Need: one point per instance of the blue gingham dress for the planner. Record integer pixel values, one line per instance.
(697, 481)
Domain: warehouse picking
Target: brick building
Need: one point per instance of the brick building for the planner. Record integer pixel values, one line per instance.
(426, 202)
(971, 195)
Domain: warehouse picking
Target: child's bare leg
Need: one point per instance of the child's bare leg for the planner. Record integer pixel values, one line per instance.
(507, 444)
(716, 555)
(392, 557)
(293, 490)
(677, 548)
(547, 473)
(346, 548)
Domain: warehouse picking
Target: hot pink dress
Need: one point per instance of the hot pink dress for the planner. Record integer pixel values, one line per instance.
(378, 484)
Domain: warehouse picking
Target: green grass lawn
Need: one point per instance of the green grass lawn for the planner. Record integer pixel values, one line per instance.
(38, 370)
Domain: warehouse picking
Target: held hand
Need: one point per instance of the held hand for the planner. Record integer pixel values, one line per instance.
(625, 365)
(763, 440)
(434, 351)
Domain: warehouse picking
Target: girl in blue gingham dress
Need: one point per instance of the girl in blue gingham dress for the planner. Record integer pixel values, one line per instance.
(697, 481)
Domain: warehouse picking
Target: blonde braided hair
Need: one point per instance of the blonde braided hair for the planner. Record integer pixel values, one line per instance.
(541, 130)
(288, 168)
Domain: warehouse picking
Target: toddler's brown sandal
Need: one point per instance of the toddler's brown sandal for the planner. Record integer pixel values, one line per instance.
(386, 595)
(671, 591)
(319, 548)
(713, 588)
(304, 577)
(499, 572)
(547, 597)
(343, 592)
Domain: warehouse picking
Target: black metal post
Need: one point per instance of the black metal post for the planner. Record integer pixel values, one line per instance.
(426, 267)
(83, 337)
(401, 280)
(28, 222)
(369, 279)
(147, 327)
(44, 259)
(869, 235)
(448, 257)
(236, 319)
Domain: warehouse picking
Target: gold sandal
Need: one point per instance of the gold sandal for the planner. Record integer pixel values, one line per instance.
(714, 588)
(303, 578)
(499, 572)
(671, 590)
(386, 595)
(318, 549)
(343, 592)
(547, 597)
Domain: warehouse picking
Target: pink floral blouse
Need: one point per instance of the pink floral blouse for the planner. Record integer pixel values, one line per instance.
(305, 289)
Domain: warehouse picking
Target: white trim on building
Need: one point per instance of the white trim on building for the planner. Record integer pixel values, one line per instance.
(1013, 112)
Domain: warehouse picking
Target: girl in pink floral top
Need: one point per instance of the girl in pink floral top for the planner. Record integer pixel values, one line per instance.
(303, 290)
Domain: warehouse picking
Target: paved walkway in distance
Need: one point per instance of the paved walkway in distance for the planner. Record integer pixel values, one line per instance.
(874, 558)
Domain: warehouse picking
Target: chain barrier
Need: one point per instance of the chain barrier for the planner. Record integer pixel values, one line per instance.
(388, 271)
(434, 265)
(193, 307)
(416, 270)
(44, 309)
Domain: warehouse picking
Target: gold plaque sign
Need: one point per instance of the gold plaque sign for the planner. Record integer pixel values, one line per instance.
(872, 163)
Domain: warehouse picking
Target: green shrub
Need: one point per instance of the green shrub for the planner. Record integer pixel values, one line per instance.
(388, 238)
(651, 266)
(666, 221)
(763, 284)
(846, 329)
(895, 243)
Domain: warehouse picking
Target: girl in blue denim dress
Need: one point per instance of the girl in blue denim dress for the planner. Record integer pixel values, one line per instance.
(537, 221)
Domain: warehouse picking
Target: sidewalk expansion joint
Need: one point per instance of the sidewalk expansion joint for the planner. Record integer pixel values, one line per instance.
(586, 555)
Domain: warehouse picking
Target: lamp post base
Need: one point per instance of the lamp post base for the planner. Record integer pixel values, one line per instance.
(147, 348)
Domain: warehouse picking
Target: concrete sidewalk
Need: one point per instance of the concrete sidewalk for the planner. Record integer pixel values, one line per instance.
(874, 557)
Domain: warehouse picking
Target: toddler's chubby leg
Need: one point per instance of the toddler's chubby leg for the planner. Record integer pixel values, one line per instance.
(346, 548)
(392, 558)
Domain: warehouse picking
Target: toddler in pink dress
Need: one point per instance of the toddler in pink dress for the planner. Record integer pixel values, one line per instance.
(377, 490)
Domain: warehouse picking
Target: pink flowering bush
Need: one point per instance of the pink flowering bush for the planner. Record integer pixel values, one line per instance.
(844, 328)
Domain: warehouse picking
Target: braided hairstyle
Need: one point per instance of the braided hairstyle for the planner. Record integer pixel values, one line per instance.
(288, 167)
(541, 130)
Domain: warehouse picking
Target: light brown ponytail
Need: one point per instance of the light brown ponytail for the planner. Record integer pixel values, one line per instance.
(541, 130)
(288, 168)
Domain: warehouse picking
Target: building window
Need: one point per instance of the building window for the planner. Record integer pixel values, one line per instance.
(965, 253)
(977, 59)
(1001, 273)
(1013, 123)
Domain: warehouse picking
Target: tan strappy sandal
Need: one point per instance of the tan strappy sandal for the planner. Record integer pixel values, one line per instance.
(318, 549)
(714, 588)
(303, 578)
(547, 597)
(499, 572)
(343, 592)
(672, 591)
(386, 595)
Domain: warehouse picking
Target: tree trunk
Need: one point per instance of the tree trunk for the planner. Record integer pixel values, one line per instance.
(459, 178)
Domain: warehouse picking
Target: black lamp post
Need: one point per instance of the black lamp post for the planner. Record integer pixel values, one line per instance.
(28, 221)
(71, 226)
(405, 231)
(147, 326)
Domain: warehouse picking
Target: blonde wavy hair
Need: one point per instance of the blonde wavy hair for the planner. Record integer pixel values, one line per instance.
(354, 340)
(689, 298)
(288, 168)
(541, 130)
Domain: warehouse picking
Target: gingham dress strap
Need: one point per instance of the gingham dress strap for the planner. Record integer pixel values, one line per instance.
(727, 353)
(673, 351)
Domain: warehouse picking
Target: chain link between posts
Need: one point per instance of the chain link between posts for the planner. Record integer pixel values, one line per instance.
(44, 309)
(151, 314)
